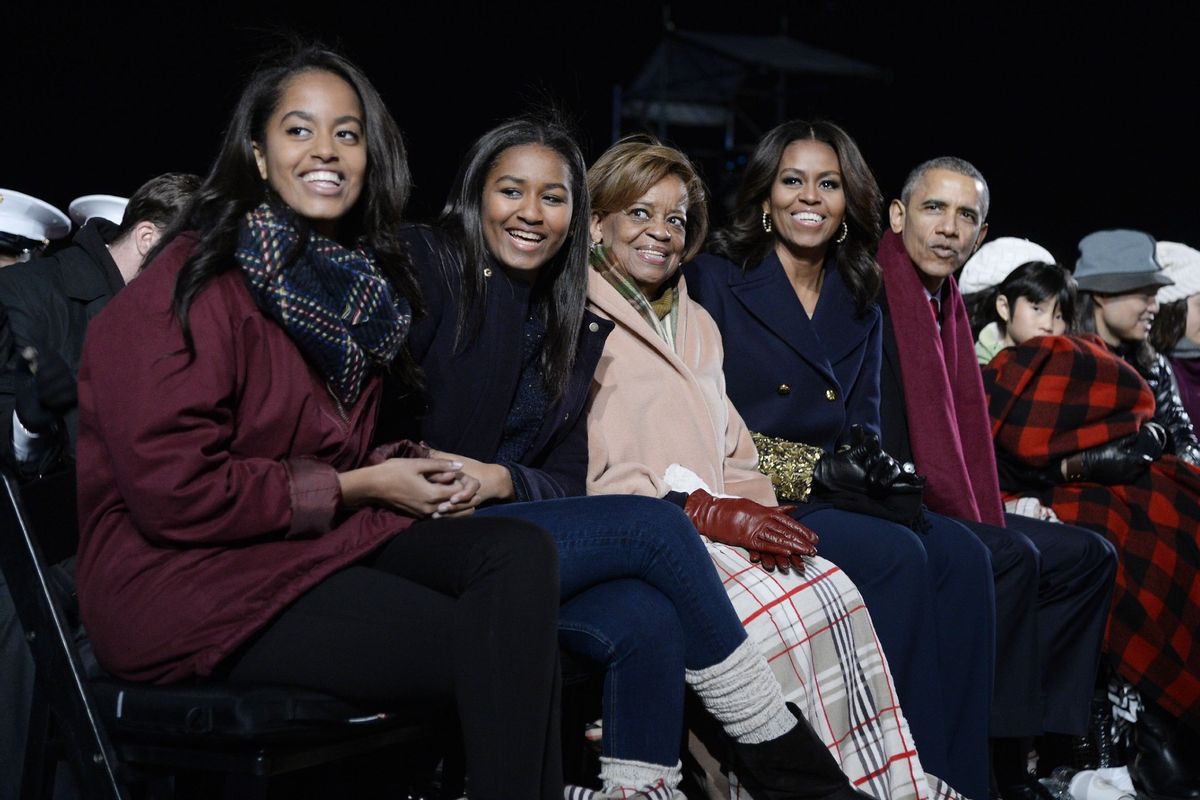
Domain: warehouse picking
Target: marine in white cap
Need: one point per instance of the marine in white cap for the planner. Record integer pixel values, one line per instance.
(27, 225)
(90, 206)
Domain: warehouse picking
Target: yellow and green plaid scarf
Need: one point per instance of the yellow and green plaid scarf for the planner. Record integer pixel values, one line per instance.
(662, 314)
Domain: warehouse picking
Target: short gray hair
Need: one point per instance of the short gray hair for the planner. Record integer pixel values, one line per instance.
(950, 164)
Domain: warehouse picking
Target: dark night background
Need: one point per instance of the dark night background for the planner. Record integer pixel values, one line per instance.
(1080, 119)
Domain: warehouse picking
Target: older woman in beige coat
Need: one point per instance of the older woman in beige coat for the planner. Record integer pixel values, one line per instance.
(661, 425)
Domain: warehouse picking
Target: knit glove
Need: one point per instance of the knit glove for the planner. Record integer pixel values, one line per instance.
(44, 390)
(762, 530)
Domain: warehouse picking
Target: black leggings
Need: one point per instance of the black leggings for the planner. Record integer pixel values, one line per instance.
(464, 608)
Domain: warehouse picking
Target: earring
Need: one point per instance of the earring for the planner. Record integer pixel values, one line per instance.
(766, 222)
(843, 233)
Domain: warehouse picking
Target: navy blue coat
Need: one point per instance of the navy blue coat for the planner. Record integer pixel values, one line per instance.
(468, 395)
(788, 376)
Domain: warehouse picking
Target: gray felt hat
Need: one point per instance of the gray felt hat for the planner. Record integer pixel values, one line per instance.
(1112, 262)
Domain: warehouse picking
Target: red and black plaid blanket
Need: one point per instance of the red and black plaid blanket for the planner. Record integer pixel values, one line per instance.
(1056, 395)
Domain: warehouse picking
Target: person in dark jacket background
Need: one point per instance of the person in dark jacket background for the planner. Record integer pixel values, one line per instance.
(47, 304)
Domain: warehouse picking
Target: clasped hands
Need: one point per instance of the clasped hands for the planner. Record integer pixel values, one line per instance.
(432, 484)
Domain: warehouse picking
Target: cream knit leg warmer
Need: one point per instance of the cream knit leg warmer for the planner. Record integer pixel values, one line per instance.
(743, 695)
(625, 780)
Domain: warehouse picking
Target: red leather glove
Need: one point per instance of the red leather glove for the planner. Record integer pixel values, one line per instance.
(763, 530)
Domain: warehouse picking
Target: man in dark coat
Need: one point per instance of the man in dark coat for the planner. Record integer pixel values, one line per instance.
(1054, 582)
(46, 304)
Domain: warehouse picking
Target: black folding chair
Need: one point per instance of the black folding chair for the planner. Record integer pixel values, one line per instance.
(119, 735)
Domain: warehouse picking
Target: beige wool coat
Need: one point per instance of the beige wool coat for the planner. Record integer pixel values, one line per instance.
(651, 407)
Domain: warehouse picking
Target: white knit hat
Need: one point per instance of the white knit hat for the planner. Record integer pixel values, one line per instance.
(993, 262)
(1182, 265)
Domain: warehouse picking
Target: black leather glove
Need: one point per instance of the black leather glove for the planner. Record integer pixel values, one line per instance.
(1120, 461)
(1151, 441)
(44, 390)
(862, 478)
(861, 465)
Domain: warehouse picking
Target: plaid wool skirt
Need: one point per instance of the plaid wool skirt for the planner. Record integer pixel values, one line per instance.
(817, 635)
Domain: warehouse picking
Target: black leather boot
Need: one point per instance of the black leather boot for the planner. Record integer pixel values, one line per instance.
(795, 766)
(1160, 767)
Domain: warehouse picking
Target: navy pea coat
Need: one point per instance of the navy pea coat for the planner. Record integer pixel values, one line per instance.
(468, 394)
(807, 380)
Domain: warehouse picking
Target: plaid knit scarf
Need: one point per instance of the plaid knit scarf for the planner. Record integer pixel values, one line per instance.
(333, 302)
(665, 325)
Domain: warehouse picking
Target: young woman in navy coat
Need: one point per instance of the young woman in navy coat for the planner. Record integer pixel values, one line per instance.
(791, 283)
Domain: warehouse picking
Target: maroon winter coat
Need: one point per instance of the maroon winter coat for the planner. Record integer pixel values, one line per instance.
(208, 494)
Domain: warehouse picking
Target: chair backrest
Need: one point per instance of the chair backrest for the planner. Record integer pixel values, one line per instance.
(34, 518)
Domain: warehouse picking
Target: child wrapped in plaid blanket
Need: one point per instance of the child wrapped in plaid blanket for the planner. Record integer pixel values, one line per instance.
(1053, 397)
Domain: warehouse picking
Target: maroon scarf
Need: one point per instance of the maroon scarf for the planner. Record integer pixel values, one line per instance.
(948, 423)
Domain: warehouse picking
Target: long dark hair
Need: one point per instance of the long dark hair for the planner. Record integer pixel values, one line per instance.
(1141, 354)
(233, 185)
(560, 291)
(1170, 323)
(744, 242)
(1037, 282)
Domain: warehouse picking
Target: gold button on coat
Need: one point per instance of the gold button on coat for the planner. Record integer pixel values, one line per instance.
(830, 394)
(784, 389)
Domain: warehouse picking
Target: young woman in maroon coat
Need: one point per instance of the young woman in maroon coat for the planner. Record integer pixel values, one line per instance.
(233, 521)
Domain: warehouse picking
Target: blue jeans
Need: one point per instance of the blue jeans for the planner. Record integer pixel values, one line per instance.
(640, 596)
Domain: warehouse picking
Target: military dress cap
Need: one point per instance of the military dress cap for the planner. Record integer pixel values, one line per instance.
(30, 218)
(996, 260)
(1112, 262)
(1181, 264)
(107, 206)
